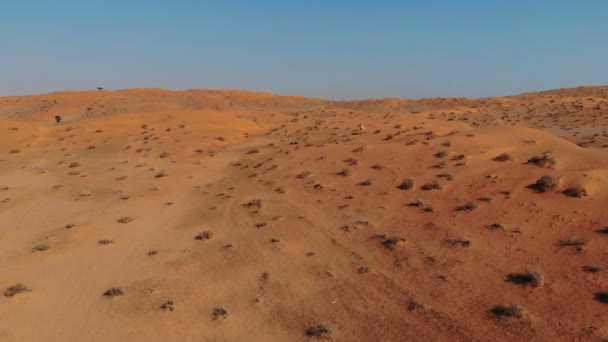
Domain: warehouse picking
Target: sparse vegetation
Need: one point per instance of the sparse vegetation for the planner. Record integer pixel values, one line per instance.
(542, 161)
(434, 185)
(591, 269)
(468, 206)
(390, 241)
(327, 190)
(413, 305)
(514, 311)
(344, 173)
(320, 331)
(366, 182)
(125, 220)
(40, 247)
(220, 313)
(441, 154)
(573, 241)
(533, 276)
(168, 305)
(407, 184)
(544, 184)
(601, 296)
(161, 174)
(256, 203)
(576, 191)
(504, 157)
(113, 292)
(206, 235)
(416, 203)
(603, 231)
(496, 226)
(15, 290)
(303, 175)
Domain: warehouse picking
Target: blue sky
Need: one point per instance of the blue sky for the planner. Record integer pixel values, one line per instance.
(333, 49)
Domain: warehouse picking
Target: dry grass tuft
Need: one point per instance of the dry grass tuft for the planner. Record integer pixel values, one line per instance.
(15, 289)
(544, 184)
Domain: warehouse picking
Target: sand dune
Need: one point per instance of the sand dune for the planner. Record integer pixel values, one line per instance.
(219, 215)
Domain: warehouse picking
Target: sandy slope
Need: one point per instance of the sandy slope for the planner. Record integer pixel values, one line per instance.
(322, 246)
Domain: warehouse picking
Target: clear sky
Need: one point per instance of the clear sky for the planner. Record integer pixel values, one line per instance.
(323, 48)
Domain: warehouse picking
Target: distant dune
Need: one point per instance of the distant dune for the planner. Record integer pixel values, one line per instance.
(220, 215)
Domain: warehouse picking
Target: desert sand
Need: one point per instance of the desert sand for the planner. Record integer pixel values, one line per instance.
(217, 215)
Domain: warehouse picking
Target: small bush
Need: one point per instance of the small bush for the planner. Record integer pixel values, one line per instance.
(591, 269)
(390, 242)
(168, 305)
(414, 305)
(407, 184)
(303, 175)
(366, 182)
(445, 176)
(351, 161)
(15, 289)
(40, 247)
(321, 330)
(574, 241)
(434, 185)
(507, 311)
(603, 230)
(125, 220)
(542, 161)
(206, 235)
(533, 276)
(461, 242)
(344, 173)
(416, 203)
(576, 191)
(495, 226)
(469, 206)
(504, 157)
(113, 292)
(253, 203)
(601, 296)
(544, 184)
(220, 313)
